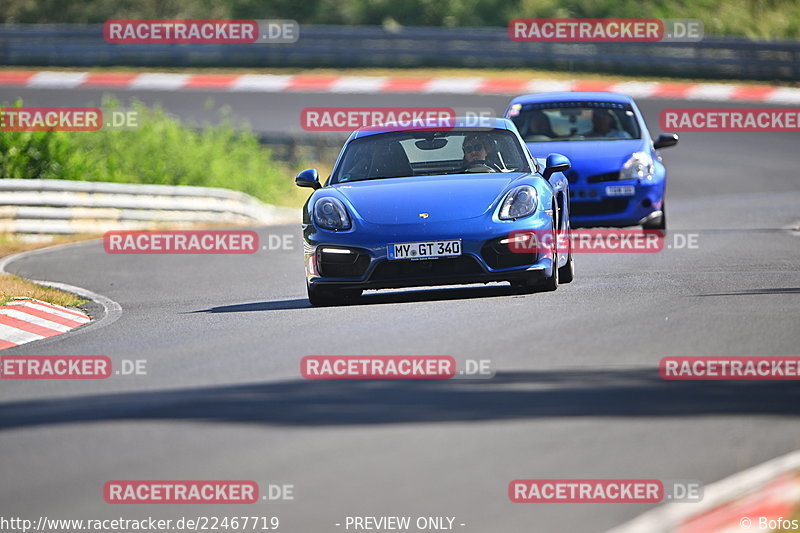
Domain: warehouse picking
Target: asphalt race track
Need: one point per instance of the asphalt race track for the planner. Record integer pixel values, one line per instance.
(577, 392)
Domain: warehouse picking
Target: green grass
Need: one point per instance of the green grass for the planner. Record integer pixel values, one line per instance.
(751, 18)
(16, 287)
(162, 150)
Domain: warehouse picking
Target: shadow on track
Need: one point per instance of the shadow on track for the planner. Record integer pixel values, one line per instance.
(509, 396)
(757, 292)
(374, 298)
(278, 305)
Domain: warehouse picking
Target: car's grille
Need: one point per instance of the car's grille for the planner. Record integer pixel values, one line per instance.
(573, 177)
(599, 178)
(338, 265)
(606, 207)
(499, 255)
(432, 268)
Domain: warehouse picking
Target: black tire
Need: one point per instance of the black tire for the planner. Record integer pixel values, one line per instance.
(527, 286)
(550, 284)
(567, 273)
(530, 286)
(659, 223)
(328, 296)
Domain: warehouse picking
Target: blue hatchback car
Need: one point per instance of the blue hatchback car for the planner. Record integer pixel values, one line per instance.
(617, 178)
(441, 204)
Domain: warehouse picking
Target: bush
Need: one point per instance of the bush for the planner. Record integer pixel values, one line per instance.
(161, 150)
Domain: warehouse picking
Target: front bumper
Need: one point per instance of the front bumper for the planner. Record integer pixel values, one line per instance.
(591, 205)
(358, 258)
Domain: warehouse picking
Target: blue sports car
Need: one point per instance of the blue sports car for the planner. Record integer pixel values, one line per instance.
(617, 177)
(433, 205)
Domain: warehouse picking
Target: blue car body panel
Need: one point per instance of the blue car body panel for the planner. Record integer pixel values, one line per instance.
(595, 161)
(457, 206)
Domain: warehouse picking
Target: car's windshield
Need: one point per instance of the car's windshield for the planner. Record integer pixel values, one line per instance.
(575, 121)
(421, 153)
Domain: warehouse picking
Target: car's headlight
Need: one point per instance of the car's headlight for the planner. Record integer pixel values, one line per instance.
(638, 167)
(329, 213)
(519, 202)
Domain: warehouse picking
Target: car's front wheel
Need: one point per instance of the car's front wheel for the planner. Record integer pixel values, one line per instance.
(550, 283)
(567, 273)
(536, 284)
(327, 296)
(658, 223)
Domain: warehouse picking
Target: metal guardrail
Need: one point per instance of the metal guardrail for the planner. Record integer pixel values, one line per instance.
(361, 46)
(63, 207)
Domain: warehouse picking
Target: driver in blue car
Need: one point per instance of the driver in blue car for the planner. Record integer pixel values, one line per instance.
(476, 150)
(604, 125)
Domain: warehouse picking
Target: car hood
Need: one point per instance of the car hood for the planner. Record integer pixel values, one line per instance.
(594, 156)
(443, 198)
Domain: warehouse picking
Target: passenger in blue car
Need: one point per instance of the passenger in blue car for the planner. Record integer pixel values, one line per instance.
(538, 127)
(605, 125)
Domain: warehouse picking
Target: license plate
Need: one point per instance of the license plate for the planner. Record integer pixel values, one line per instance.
(425, 250)
(620, 190)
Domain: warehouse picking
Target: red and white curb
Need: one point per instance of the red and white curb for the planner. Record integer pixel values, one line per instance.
(25, 320)
(767, 492)
(111, 312)
(272, 83)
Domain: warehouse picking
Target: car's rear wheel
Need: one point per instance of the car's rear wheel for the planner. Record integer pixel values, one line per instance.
(327, 296)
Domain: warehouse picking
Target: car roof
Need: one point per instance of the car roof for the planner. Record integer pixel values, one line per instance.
(572, 96)
(449, 123)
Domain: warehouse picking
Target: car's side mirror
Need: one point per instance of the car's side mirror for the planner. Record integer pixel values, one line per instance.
(555, 163)
(308, 178)
(665, 140)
